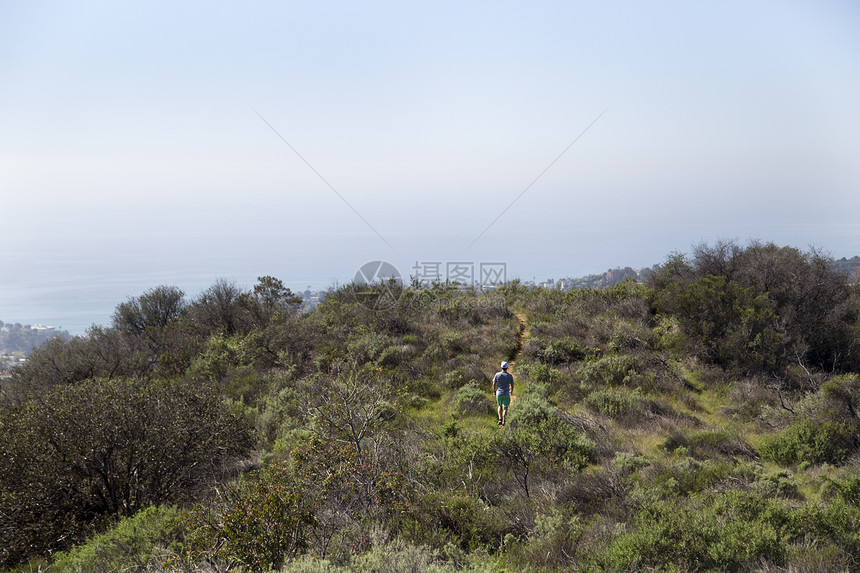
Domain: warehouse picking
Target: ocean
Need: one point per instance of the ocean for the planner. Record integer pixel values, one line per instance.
(73, 283)
(73, 290)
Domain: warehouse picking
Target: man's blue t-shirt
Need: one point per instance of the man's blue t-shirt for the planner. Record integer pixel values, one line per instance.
(503, 382)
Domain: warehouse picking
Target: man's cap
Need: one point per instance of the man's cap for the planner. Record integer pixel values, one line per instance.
(504, 365)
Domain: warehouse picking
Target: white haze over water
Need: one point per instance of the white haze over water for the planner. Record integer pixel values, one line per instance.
(133, 153)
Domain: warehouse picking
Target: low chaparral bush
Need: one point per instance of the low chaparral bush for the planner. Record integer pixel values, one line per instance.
(471, 400)
(808, 441)
(150, 535)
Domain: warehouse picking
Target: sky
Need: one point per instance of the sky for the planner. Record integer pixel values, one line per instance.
(147, 143)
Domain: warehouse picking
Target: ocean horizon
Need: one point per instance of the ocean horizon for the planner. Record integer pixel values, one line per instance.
(75, 284)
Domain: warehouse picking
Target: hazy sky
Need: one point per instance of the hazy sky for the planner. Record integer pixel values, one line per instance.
(132, 132)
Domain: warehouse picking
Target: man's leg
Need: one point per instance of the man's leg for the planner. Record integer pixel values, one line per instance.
(500, 414)
(504, 414)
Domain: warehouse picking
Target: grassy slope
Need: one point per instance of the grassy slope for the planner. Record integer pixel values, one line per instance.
(680, 399)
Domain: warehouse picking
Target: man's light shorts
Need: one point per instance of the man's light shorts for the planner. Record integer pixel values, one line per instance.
(503, 400)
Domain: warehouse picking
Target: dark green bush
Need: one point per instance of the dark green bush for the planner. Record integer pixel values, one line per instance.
(808, 441)
(540, 441)
(847, 489)
(732, 531)
(542, 373)
(733, 325)
(563, 352)
(425, 388)
(761, 306)
(836, 523)
(463, 520)
(81, 455)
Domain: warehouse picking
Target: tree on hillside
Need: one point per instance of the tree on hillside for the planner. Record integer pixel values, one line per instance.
(218, 308)
(157, 307)
(270, 298)
(350, 407)
(814, 301)
(815, 307)
(104, 352)
(730, 325)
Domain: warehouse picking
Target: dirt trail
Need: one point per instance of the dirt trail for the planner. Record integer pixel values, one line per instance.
(522, 336)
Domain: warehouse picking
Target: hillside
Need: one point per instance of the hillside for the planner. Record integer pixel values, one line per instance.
(22, 339)
(705, 420)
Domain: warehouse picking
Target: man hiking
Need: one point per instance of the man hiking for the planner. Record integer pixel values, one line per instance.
(503, 384)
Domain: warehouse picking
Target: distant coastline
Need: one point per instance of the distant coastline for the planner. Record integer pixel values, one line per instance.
(19, 338)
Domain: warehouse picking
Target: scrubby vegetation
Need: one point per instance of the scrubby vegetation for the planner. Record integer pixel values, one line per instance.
(705, 420)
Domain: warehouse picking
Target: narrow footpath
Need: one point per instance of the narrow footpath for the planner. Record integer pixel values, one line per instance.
(522, 337)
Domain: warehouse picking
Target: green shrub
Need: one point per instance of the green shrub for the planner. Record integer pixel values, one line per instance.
(629, 463)
(613, 403)
(539, 441)
(808, 441)
(219, 355)
(732, 324)
(454, 379)
(259, 522)
(627, 407)
(713, 443)
(553, 543)
(471, 400)
(836, 523)
(542, 373)
(415, 401)
(530, 410)
(692, 475)
(565, 351)
(776, 484)
(367, 346)
(731, 531)
(425, 388)
(684, 475)
(848, 489)
(611, 370)
(721, 532)
(394, 355)
(149, 535)
(396, 556)
(463, 520)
